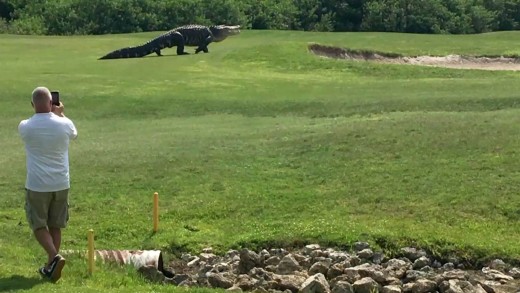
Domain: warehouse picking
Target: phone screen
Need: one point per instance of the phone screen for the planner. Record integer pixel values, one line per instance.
(55, 98)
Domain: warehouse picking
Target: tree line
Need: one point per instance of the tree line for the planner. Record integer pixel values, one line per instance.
(70, 17)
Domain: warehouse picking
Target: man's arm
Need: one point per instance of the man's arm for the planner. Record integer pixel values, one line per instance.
(58, 110)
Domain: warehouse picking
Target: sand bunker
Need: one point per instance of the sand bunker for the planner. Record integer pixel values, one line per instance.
(450, 61)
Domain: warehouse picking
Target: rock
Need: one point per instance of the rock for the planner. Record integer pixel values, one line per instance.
(407, 288)
(448, 266)
(455, 274)
(498, 264)
(315, 284)
(245, 282)
(413, 275)
(436, 264)
(378, 258)
(234, 289)
(479, 289)
(365, 254)
(515, 273)
(310, 248)
(391, 289)
(152, 274)
(194, 262)
(397, 268)
(272, 261)
(373, 272)
(343, 287)
(492, 274)
(412, 253)
(366, 285)
(424, 286)
(450, 287)
(421, 262)
(288, 265)
(179, 278)
(248, 260)
(334, 271)
(220, 280)
(319, 267)
(288, 282)
(358, 246)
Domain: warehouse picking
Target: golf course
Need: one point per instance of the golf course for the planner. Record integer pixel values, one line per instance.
(261, 143)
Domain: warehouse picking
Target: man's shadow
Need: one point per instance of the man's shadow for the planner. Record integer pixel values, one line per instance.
(17, 282)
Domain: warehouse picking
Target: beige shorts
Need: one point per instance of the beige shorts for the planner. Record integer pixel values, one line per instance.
(47, 209)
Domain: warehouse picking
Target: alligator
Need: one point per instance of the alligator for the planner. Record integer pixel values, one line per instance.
(193, 35)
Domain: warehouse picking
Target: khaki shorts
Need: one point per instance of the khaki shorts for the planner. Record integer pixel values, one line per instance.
(47, 209)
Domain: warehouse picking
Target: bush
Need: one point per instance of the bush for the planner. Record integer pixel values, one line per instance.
(66, 17)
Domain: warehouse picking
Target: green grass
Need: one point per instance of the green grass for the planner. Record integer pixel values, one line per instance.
(260, 143)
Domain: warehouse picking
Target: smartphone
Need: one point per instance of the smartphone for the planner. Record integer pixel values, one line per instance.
(55, 98)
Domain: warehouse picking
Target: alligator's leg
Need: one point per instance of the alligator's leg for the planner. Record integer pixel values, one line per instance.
(180, 49)
(176, 39)
(158, 52)
(204, 46)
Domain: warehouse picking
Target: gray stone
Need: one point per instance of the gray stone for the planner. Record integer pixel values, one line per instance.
(421, 262)
(343, 287)
(366, 285)
(288, 282)
(272, 261)
(378, 258)
(424, 286)
(234, 289)
(412, 253)
(365, 254)
(220, 280)
(288, 265)
(207, 257)
(450, 287)
(179, 278)
(334, 271)
(515, 273)
(455, 274)
(194, 262)
(320, 267)
(358, 246)
(310, 248)
(407, 288)
(152, 274)
(315, 284)
(498, 264)
(248, 260)
(448, 266)
(245, 282)
(413, 275)
(492, 274)
(391, 289)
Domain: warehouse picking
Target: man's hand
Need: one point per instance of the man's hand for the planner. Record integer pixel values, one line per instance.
(58, 110)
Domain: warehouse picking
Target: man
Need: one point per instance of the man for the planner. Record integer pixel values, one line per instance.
(46, 136)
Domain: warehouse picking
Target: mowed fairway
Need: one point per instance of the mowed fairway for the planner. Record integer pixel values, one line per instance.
(261, 143)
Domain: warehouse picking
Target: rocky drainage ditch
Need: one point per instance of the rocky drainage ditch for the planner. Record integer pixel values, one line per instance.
(314, 269)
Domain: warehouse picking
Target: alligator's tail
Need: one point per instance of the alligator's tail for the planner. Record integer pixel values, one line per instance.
(130, 52)
(166, 40)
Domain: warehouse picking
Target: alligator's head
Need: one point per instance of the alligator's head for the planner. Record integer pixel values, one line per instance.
(221, 32)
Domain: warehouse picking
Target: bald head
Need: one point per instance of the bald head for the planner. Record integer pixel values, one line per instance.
(42, 100)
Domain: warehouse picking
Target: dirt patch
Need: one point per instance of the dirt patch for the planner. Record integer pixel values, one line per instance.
(450, 61)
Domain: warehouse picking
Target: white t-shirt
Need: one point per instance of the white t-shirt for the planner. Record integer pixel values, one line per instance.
(46, 137)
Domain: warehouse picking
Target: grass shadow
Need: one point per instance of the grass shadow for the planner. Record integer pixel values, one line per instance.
(17, 282)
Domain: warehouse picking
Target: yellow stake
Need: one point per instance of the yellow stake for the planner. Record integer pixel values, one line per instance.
(90, 251)
(155, 212)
